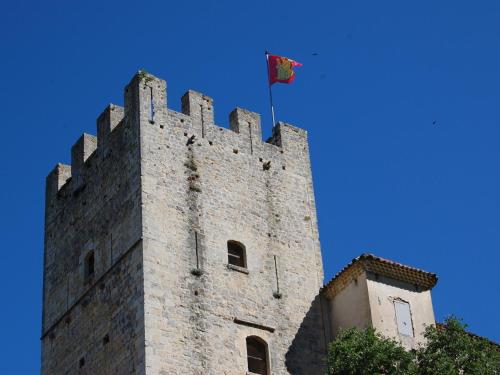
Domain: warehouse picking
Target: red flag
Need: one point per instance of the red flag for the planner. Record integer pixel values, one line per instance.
(281, 69)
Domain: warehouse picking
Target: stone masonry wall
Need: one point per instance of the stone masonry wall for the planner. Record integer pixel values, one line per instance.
(202, 186)
(157, 196)
(94, 205)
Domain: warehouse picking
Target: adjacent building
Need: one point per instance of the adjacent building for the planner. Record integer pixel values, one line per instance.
(392, 298)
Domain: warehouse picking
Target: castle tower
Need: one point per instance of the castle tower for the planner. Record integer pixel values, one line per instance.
(174, 246)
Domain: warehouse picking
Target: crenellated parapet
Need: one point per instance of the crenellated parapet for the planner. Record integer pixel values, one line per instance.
(106, 122)
(199, 108)
(145, 99)
(247, 125)
(56, 179)
(80, 152)
(139, 229)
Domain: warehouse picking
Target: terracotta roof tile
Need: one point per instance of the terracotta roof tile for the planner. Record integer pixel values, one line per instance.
(372, 263)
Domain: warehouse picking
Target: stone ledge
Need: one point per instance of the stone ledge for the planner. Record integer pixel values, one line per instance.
(238, 268)
(253, 325)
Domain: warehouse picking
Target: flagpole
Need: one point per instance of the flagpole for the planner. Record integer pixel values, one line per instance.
(270, 90)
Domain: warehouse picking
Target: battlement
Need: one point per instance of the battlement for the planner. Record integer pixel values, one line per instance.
(139, 234)
(145, 105)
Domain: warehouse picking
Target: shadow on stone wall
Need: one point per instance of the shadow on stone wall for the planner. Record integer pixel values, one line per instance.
(307, 354)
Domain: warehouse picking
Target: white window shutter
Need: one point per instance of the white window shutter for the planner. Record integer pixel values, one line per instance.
(403, 318)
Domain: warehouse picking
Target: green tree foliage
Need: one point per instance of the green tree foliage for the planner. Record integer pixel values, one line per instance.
(356, 352)
(450, 350)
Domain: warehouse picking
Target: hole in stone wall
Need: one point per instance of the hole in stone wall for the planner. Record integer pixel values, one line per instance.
(195, 292)
(185, 134)
(235, 151)
(210, 143)
(86, 301)
(81, 362)
(196, 272)
(260, 159)
(105, 339)
(283, 167)
(161, 126)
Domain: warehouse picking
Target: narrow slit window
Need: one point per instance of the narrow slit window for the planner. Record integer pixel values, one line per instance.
(403, 318)
(257, 355)
(236, 254)
(151, 107)
(89, 265)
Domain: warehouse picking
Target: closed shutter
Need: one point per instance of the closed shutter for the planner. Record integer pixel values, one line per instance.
(403, 318)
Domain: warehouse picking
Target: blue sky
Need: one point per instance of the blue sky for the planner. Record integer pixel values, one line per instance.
(401, 103)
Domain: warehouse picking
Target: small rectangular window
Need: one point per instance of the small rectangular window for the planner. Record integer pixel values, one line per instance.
(403, 318)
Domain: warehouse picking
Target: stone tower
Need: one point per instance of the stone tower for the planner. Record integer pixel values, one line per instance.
(174, 246)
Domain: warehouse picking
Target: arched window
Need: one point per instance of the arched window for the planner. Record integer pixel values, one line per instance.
(257, 356)
(236, 254)
(89, 266)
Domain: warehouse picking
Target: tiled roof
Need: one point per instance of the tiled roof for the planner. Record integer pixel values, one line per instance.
(380, 266)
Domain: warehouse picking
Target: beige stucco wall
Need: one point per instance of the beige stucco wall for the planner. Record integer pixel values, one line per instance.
(351, 308)
(382, 292)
